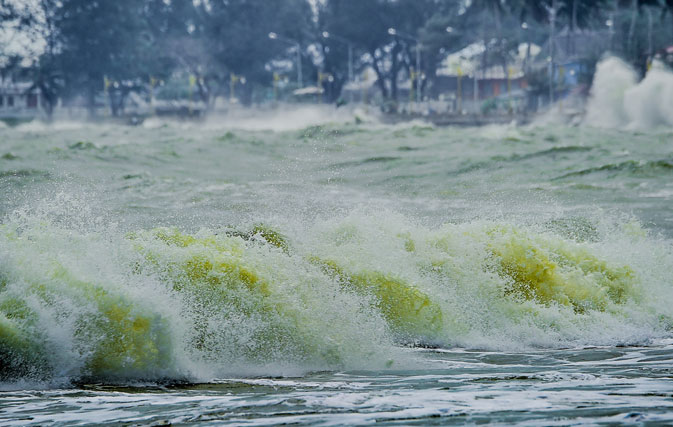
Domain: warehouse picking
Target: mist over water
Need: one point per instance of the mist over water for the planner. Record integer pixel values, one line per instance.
(287, 117)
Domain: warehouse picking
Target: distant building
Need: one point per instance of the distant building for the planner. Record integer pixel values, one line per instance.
(497, 87)
(19, 99)
(574, 53)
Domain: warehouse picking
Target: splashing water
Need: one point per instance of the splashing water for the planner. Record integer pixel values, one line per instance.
(650, 103)
(618, 100)
(167, 304)
(458, 268)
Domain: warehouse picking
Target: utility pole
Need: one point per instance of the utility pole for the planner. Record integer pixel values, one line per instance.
(475, 89)
(509, 88)
(233, 78)
(365, 92)
(350, 69)
(418, 73)
(299, 76)
(650, 52)
(459, 104)
(552, 39)
(276, 77)
(611, 24)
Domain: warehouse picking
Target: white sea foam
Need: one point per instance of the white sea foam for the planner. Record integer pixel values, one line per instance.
(286, 117)
(283, 117)
(60, 125)
(80, 298)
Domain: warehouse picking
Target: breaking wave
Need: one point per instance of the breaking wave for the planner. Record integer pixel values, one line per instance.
(619, 100)
(99, 303)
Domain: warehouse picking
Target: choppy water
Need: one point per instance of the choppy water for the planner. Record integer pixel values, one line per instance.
(336, 273)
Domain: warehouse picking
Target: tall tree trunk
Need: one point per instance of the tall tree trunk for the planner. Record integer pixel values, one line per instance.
(332, 90)
(574, 26)
(204, 92)
(650, 47)
(380, 80)
(49, 109)
(498, 31)
(394, 70)
(91, 100)
(122, 101)
(111, 101)
(247, 95)
(49, 100)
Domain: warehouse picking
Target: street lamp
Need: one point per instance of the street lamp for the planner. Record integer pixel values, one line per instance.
(394, 32)
(274, 36)
(553, 10)
(610, 23)
(327, 35)
(475, 89)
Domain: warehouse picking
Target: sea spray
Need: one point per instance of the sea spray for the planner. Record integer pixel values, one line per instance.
(95, 303)
(650, 103)
(502, 285)
(619, 100)
(606, 102)
(63, 294)
(163, 304)
(286, 118)
(285, 310)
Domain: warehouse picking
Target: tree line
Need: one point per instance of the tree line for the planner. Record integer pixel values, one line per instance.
(89, 47)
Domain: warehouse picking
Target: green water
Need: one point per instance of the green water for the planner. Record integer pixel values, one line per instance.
(342, 273)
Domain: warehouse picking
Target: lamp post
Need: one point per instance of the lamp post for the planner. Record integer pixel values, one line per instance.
(394, 32)
(475, 84)
(274, 36)
(610, 23)
(552, 27)
(524, 27)
(328, 35)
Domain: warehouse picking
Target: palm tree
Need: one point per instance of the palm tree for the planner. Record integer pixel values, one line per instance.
(636, 7)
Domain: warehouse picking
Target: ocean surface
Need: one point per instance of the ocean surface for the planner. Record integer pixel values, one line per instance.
(279, 271)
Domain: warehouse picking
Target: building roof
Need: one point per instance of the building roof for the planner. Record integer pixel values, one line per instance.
(467, 60)
(10, 87)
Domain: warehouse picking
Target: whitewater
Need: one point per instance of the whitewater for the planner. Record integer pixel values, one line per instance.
(340, 272)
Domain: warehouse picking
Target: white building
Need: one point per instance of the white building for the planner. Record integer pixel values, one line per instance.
(19, 99)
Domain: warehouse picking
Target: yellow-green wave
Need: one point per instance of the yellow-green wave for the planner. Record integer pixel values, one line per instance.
(253, 298)
(553, 270)
(409, 312)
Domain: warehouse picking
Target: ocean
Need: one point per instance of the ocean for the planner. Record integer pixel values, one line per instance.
(281, 270)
